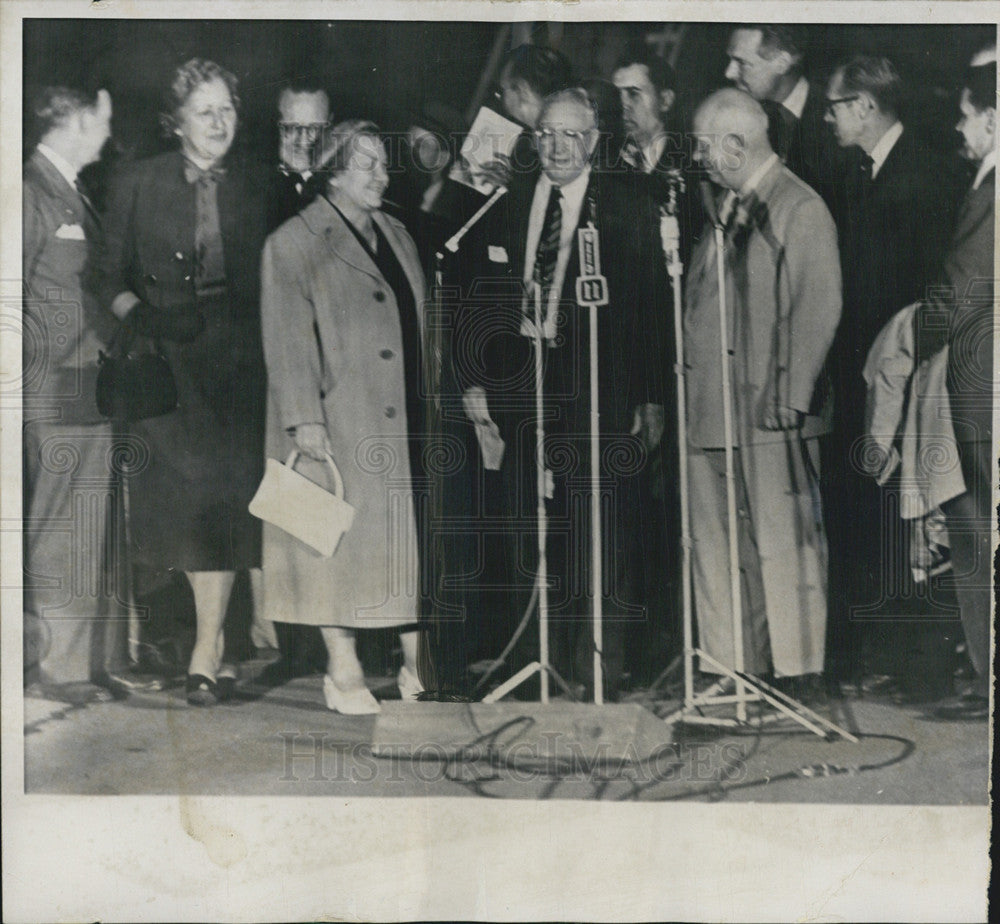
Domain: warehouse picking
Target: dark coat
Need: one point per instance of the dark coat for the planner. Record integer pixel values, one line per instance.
(808, 148)
(634, 331)
(892, 233)
(189, 503)
(288, 194)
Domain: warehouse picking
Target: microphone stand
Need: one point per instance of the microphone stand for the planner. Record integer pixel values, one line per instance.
(749, 688)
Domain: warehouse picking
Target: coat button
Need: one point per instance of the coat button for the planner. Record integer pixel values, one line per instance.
(379, 295)
(386, 354)
(390, 412)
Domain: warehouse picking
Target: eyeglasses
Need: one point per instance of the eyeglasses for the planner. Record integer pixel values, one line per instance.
(549, 135)
(310, 131)
(832, 104)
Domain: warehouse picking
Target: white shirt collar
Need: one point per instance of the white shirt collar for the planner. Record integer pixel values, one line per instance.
(989, 163)
(651, 153)
(884, 147)
(571, 205)
(65, 168)
(795, 102)
(572, 193)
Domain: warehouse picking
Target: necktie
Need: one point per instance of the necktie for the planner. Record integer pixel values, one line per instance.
(548, 246)
(867, 167)
(781, 127)
(92, 221)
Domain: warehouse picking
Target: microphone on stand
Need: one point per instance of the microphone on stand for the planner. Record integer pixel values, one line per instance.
(451, 245)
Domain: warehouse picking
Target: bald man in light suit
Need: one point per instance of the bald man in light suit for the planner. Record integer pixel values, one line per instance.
(783, 302)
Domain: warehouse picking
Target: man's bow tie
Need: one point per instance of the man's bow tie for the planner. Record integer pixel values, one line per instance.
(194, 174)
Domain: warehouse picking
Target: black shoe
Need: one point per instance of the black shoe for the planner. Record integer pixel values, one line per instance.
(201, 691)
(967, 708)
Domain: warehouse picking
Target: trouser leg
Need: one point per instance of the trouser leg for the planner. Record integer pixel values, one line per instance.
(68, 498)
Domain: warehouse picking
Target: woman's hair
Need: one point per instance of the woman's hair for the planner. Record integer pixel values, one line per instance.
(339, 143)
(187, 78)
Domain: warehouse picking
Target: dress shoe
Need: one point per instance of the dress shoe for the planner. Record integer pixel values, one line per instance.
(967, 708)
(409, 685)
(75, 693)
(225, 683)
(350, 702)
(201, 691)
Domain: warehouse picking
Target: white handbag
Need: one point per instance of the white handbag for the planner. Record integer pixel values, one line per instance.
(301, 507)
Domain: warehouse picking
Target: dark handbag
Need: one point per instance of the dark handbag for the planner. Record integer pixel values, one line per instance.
(134, 386)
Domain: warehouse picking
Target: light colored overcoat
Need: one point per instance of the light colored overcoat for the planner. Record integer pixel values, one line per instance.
(334, 351)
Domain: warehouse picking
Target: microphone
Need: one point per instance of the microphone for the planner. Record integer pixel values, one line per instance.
(451, 245)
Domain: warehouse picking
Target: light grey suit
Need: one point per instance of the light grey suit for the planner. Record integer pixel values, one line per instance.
(783, 299)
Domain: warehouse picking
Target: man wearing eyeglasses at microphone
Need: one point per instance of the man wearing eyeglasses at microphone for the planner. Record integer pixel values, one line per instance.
(531, 270)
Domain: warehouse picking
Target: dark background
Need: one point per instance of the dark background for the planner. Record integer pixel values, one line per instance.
(379, 69)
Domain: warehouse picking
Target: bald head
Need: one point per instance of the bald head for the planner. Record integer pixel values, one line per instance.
(731, 130)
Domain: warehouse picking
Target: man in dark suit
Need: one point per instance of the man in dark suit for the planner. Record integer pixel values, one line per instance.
(67, 445)
(304, 115)
(889, 250)
(783, 300)
(656, 146)
(531, 265)
(655, 136)
(767, 60)
(961, 314)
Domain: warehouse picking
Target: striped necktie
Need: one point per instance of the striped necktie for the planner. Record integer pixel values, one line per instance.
(548, 245)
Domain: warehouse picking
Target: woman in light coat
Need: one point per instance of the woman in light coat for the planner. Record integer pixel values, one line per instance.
(342, 294)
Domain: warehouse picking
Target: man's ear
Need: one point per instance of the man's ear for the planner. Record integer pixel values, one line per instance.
(991, 119)
(667, 98)
(785, 61)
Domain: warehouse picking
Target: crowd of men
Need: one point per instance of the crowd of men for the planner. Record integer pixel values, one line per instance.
(833, 215)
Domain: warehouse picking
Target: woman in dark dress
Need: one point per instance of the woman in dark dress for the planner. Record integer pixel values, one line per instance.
(181, 266)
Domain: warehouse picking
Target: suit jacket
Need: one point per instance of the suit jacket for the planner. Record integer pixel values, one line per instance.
(65, 326)
(889, 249)
(334, 351)
(783, 301)
(690, 214)
(149, 237)
(961, 313)
(285, 201)
(634, 330)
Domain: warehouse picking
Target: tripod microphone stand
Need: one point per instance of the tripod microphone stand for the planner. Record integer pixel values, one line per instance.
(542, 665)
(748, 688)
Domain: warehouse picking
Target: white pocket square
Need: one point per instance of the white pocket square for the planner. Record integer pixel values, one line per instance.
(498, 254)
(71, 233)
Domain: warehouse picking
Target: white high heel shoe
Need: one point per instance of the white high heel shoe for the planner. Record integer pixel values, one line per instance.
(409, 685)
(352, 702)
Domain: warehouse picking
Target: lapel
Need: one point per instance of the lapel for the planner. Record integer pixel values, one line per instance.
(323, 219)
(405, 254)
(975, 202)
(57, 186)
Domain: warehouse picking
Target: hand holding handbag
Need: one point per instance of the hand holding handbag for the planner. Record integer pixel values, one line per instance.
(301, 507)
(133, 387)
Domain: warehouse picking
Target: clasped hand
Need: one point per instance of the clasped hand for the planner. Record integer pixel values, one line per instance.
(783, 418)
